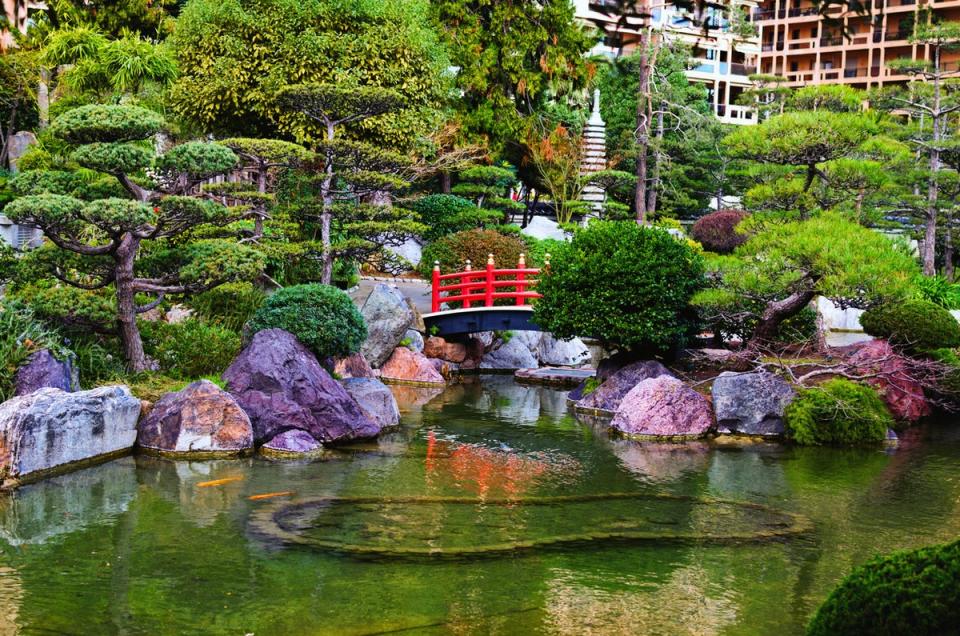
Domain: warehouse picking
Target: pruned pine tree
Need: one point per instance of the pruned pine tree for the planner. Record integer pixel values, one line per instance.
(155, 205)
(352, 182)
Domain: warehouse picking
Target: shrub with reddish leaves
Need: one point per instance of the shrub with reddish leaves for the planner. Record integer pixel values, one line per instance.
(716, 231)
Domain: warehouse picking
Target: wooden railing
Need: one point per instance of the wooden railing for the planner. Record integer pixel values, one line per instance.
(483, 286)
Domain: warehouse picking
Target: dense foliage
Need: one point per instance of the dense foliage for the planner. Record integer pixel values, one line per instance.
(785, 265)
(21, 334)
(919, 325)
(230, 305)
(909, 592)
(717, 231)
(455, 250)
(236, 55)
(322, 317)
(444, 214)
(192, 348)
(625, 285)
(837, 412)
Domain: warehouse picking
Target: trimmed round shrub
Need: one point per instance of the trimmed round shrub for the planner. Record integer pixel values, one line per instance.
(446, 214)
(625, 285)
(837, 412)
(455, 250)
(717, 231)
(322, 317)
(911, 592)
(919, 325)
(190, 349)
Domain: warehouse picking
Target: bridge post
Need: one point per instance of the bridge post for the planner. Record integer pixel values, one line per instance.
(435, 288)
(466, 280)
(488, 301)
(521, 264)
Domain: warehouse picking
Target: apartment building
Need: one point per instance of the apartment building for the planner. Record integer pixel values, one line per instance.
(800, 45)
(722, 59)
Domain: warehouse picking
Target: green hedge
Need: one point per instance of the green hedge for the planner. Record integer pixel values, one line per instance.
(919, 325)
(447, 214)
(837, 412)
(322, 317)
(474, 245)
(915, 592)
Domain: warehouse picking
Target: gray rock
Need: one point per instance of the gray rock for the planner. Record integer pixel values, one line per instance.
(43, 370)
(410, 250)
(376, 399)
(292, 442)
(281, 386)
(20, 143)
(415, 338)
(177, 314)
(751, 403)
(541, 228)
(663, 407)
(511, 355)
(50, 428)
(565, 353)
(201, 418)
(608, 395)
(388, 316)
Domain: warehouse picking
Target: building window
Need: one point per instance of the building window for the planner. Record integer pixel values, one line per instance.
(794, 67)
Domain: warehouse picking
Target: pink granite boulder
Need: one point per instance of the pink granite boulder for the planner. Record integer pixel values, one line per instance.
(412, 367)
(902, 394)
(663, 407)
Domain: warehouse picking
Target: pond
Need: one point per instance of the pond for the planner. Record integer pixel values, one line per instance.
(492, 510)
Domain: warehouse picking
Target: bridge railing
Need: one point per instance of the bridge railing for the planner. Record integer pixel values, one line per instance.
(484, 286)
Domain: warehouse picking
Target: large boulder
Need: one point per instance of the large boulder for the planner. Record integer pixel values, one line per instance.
(663, 407)
(511, 355)
(564, 353)
(412, 367)
(751, 403)
(376, 399)
(608, 395)
(353, 366)
(200, 419)
(410, 250)
(388, 316)
(541, 228)
(43, 371)
(891, 377)
(280, 385)
(50, 428)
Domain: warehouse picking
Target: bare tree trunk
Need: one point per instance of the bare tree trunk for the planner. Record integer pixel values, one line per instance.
(325, 216)
(930, 228)
(259, 214)
(126, 305)
(948, 272)
(775, 313)
(643, 115)
(655, 181)
(446, 182)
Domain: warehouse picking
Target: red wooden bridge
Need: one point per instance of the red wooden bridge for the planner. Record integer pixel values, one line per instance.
(477, 292)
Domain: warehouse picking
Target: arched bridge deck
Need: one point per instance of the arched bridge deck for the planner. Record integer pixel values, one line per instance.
(483, 300)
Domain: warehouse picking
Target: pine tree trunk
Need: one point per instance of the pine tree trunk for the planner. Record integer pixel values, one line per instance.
(948, 272)
(446, 182)
(775, 313)
(126, 306)
(655, 181)
(325, 217)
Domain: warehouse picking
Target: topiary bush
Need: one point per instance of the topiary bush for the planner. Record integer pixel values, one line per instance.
(474, 245)
(322, 317)
(190, 349)
(913, 592)
(837, 412)
(625, 285)
(447, 214)
(717, 231)
(918, 325)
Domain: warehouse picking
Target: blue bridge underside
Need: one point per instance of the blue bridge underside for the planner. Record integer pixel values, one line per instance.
(463, 321)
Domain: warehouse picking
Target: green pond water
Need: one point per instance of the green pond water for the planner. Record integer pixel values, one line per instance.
(492, 510)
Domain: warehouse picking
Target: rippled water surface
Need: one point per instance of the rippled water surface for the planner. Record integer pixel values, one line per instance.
(492, 510)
